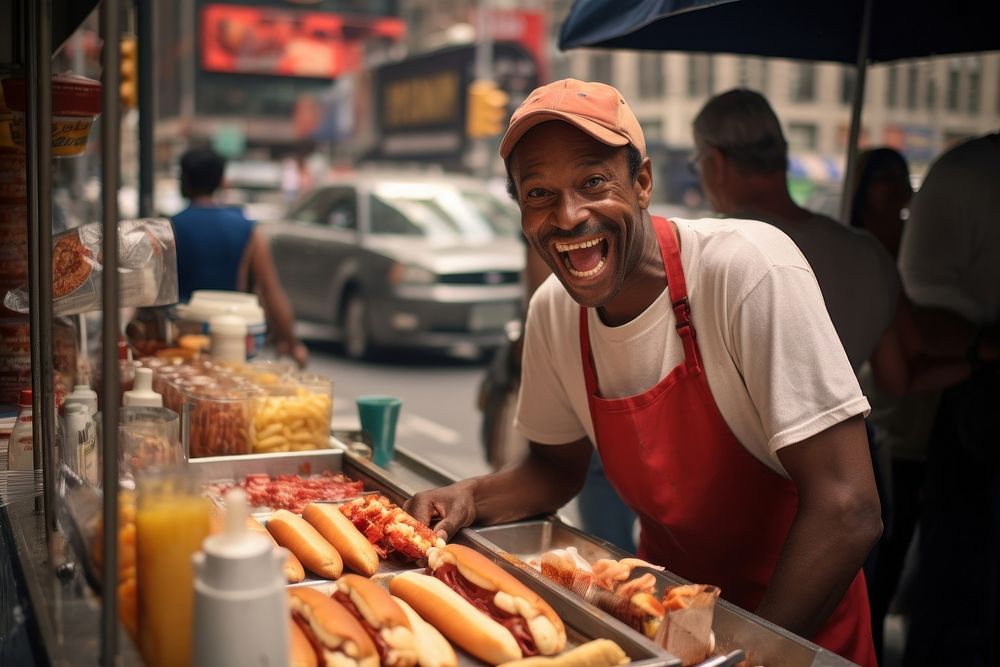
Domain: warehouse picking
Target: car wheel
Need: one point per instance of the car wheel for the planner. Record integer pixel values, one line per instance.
(357, 337)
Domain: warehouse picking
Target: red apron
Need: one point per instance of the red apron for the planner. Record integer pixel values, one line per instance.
(709, 511)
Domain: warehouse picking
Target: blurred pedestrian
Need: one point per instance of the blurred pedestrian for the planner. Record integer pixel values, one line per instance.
(220, 249)
(950, 263)
(880, 195)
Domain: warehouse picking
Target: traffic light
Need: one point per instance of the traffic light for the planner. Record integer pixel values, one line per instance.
(487, 109)
(129, 85)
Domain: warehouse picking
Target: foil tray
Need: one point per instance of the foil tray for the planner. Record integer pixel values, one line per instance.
(735, 628)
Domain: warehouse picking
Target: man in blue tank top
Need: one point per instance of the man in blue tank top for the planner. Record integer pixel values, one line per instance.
(219, 249)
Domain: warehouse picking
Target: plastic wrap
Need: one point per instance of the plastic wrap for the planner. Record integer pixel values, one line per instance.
(147, 259)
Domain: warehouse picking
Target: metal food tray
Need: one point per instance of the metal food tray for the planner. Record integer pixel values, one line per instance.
(409, 470)
(230, 469)
(581, 624)
(735, 629)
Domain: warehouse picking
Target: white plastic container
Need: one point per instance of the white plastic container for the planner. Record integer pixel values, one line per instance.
(229, 338)
(83, 395)
(142, 394)
(81, 441)
(20, 450)
(195, 315)
(241, 607)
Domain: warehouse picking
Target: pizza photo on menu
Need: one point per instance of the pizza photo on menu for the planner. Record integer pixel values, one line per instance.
(72, 264)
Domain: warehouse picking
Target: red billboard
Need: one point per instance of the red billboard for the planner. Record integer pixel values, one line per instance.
(261, 40)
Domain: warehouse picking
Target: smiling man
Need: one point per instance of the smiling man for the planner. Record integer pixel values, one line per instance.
(699, 357)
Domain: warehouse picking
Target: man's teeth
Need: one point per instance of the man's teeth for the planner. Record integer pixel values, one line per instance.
(566, 247)
(586, 274)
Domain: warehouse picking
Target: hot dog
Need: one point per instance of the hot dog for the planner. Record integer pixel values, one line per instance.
(527, 618)
(433, 650)
(456, 618)
(294, 573)
(595, 653)
(338, 637)
(383, 619)
(295, 534)
(357, 552)
(390, 529)
(606, 584)
(301, 651)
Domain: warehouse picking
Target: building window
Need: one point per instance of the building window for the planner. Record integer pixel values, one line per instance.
(803, 82)
(931, 94)
(954, 81)
(560, 67)
(975, 82)
(600, 67)
(652, 130)
(912, 76)
(848, 79)
(652, 78)
(700, 75)
(743, 73)
(802, 137)
(892, 87)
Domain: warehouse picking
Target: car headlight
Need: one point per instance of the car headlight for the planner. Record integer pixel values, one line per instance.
(411, 274)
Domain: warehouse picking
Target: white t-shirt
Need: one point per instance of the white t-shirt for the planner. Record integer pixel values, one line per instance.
(774, 363)
(949, 255)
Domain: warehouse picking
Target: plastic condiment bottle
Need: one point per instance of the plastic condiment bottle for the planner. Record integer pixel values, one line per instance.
(84, 395)
(81, 441)
(142, 393)
(229, 338)
(241, 607)
(20, 450)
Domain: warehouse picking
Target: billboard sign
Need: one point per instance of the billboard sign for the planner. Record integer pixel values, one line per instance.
(289, 42)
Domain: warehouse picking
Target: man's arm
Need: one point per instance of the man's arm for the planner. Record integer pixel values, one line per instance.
(837, 522)
(277, 309)
(902, 363)
(543, 482)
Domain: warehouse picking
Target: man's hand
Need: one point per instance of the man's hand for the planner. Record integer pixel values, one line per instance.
(543, 482)
(446, 510)
(296, 350)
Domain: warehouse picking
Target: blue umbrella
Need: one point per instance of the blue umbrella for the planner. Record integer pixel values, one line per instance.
(846, 31)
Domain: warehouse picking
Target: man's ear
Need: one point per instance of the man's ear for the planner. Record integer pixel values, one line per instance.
(644, 183)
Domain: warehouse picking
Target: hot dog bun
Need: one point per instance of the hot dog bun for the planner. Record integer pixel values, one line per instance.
(511, 596)
(380, 613)
(595, 653)
(301, 652)
(357, 552)
(338, 636)
(295, 534)
(433, 650)
(456, 618)
(294, 573)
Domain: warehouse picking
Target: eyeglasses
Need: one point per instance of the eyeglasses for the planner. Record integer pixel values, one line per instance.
(694, 160)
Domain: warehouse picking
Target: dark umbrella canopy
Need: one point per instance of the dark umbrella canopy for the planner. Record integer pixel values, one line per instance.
(827, 30)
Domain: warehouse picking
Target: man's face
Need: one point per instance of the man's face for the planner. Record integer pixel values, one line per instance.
(581, 210)
(705, 163)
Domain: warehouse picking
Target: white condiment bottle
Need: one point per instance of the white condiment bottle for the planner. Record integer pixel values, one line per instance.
(20, 449)
(84, 395)
(240, 606)
(81, 441)
(142, 393)
(229, 338)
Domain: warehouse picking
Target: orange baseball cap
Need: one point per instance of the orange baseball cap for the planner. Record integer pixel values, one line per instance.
(596, 108)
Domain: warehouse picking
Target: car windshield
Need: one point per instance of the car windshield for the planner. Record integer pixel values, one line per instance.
(442, 214)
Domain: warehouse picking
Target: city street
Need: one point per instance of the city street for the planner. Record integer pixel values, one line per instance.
(439, 419)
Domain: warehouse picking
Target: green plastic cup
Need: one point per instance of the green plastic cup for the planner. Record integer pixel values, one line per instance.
(379, 415)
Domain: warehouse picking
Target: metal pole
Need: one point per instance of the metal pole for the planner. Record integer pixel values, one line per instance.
(859, 98)
(110, 165)
(39, 174)
(484, 71)
(147, 100)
